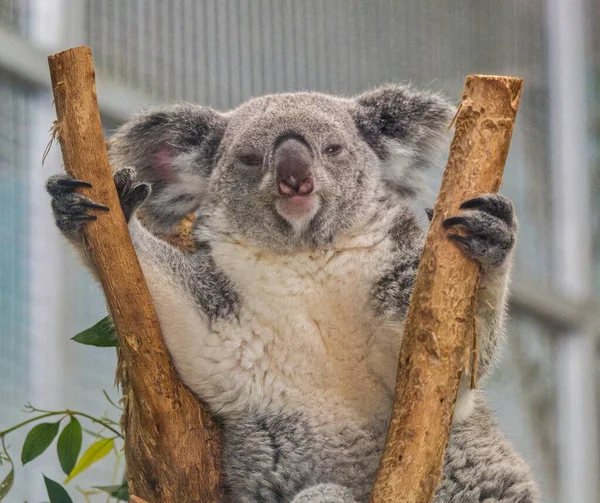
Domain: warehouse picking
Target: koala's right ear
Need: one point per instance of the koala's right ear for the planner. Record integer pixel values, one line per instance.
(174, 149)
(406, 128)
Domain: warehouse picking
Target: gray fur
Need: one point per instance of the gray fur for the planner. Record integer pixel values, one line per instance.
(480, 466)
(366, 155)
(491, 227)
(285, 454)
(392, 291)
(325, 493)
(196, 273)
(202, 157)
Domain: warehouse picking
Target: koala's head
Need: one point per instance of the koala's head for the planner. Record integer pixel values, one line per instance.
(284, 171)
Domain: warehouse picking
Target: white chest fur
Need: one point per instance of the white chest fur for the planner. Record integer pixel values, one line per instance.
(305, 333)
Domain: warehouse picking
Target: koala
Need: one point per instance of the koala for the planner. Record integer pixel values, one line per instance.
(287, 317)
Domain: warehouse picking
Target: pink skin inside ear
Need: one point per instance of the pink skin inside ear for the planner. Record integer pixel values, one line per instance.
(163, 163)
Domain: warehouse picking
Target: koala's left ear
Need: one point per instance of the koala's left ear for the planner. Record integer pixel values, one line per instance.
(174, 148)
(405, 128)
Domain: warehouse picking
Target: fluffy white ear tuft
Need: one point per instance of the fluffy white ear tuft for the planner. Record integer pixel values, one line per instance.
(408, 172)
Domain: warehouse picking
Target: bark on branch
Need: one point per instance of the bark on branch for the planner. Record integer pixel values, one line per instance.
(440, 326)
(172, 446)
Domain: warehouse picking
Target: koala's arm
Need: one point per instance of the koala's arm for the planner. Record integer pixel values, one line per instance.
(194, 275)
(489, 239)
(481, 465)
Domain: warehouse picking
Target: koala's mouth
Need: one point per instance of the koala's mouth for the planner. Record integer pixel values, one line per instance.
(298, 209)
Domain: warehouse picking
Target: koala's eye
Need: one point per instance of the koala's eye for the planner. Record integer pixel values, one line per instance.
(333, 150)
(251, 159)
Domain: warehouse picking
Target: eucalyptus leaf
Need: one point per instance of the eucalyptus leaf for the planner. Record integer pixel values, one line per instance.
(119, 492)
(56, 492)
(7, 483)
(101, 335)
(38, 440)
(95, 452)
(122, 494)
(69, 445)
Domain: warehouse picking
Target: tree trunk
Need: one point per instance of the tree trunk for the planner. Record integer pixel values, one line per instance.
(172, 446)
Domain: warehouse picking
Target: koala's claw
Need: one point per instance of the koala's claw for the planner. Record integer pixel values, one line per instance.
(86, 203)
(70, 208)
(494, 204)
(61, 184)
(490, 227)
(124, 180)
(465, 242)
(131, 193)
(449, 222)
(82, 217)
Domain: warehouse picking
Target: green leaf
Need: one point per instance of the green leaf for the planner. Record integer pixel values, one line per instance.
(101, 335)
(56, 492)
(122, 494)
(95, 452)
(38, 440)
(7, 483)
(119, 492)
(69, 445)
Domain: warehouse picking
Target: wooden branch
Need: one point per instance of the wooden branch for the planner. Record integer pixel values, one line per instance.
(439, 329)
(172, 446)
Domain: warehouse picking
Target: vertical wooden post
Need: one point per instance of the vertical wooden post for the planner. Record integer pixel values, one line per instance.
(172, 446)
(439, 329)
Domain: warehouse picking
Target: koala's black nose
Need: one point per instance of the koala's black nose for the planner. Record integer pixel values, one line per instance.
(293, 173)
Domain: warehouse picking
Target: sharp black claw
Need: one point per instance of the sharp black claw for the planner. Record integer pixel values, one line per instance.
(449, 222)
(71, 182)
(429, 212)
(473, 203)
(459, 238)
(498, 207)
(92, 204)
(83, 216)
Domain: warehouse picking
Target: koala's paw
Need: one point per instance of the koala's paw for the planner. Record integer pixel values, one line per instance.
(490, 229)
(71, 209)
(131, 193)
(325, 493)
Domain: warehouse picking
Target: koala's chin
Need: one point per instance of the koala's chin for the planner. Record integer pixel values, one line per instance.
(298, 210)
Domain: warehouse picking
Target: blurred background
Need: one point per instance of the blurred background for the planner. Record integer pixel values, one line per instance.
(545, 392)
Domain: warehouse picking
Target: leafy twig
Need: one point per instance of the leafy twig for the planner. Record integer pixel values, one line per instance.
(105, 422)
(23, 423)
